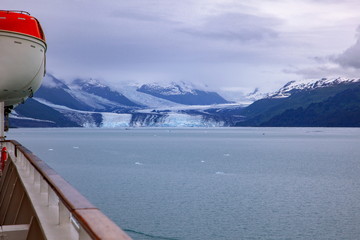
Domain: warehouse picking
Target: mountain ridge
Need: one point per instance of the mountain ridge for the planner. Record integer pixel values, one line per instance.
(261, 112)
(179, 94)
(90, 103)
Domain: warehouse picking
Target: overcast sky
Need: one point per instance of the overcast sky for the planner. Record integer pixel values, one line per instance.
(226, 44)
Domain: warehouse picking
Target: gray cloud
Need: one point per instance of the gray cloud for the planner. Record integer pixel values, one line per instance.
(236, 26)
(222, 43)
(350, 57)
(316, 71)
(336, 1)
(139, 16)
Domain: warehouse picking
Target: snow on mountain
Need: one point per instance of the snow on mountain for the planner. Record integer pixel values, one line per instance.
(95, 88)
(308, 84)
(255, 95)
(82, 118)
(172, 88)
(86, 95)
(93, 101)
(50, 81)
(15, 115)
(182, 93)
(144, 118)
(90, 103)
(58, 92)
(130, 91)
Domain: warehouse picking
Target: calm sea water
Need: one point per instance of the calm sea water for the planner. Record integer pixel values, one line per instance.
(216, 183)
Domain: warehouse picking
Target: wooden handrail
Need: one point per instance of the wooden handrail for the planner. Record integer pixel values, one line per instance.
(95, 223)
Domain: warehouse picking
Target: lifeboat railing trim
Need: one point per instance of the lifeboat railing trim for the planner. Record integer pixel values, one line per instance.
(17, 11)
(95, 223)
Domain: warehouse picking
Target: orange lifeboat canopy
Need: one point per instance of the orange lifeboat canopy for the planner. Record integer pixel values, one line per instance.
(20, 22)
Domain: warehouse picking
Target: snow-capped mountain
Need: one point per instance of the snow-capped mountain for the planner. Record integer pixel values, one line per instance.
(307, 103)
(172, 88)
(130, 90)
(309, 84)
(324, 102)
(57, 92)
(96, 88)
(89, 103)
(182, 93)
(255, 95)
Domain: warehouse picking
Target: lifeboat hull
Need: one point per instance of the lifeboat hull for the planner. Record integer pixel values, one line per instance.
(22, 66)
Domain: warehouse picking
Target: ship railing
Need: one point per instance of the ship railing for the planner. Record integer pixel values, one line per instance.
(59, 210)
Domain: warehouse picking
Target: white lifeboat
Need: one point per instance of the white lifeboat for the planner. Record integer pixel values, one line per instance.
(22, 56)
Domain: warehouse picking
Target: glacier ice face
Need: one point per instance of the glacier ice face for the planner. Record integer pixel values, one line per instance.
(145, 118)
(114, 120)
(185, 120)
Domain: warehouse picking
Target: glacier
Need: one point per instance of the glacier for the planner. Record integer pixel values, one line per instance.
(115, 120)
(185, 120)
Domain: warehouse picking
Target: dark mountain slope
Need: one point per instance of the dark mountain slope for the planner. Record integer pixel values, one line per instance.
(262, 111)
(58, 95)
(342, 110)
(105, 92)
(36, 110)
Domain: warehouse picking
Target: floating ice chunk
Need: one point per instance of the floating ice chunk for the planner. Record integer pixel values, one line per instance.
(220, 173)
(50, 149)
(138, 163)
(226, 154)
(75, 147)
(202, 161)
